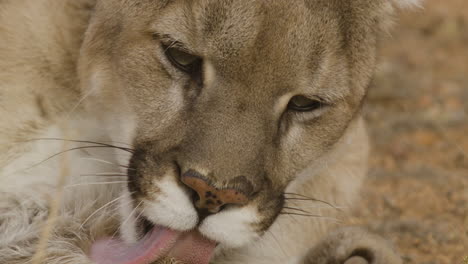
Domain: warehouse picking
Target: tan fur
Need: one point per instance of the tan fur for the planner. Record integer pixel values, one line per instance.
(76, 70)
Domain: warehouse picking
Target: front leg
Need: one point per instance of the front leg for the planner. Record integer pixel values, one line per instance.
(352, 246)
(22, 216)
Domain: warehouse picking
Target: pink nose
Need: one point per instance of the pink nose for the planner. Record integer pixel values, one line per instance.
(211, 198)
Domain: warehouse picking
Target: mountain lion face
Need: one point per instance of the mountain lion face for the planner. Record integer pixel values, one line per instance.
(225, 102)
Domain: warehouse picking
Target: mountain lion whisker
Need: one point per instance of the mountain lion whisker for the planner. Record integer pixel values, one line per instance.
(82, 141)
(105, 174)
(130, 215)
(312, 215)
(327, 205)
(296, 209)
(294, 203)
(100, 209)
(106, 162)
(95, 183)
(277, 242)
(137, 217)
(60, 153)
(306, 198)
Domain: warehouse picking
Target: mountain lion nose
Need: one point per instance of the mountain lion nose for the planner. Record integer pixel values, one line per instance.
(211, 198)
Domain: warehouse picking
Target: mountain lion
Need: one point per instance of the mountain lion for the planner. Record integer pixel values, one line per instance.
(185, 131)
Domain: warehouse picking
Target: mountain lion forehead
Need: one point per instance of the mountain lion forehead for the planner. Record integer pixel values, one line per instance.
(235, 18)
(245, 19)
(234, 27)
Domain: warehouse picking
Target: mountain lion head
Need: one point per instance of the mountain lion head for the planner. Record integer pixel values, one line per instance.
(225, 103)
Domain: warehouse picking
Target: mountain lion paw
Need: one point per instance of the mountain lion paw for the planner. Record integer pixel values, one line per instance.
(352, 246)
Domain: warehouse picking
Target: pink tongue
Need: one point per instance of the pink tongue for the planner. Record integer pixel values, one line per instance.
(190, 248)
(193, 248)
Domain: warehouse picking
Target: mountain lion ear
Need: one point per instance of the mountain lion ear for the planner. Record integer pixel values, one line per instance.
(407, 3)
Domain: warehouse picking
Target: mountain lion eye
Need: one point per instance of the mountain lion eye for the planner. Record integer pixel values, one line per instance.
(184, 61)
(301, 103)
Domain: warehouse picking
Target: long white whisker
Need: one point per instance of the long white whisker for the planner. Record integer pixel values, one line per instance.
(100, 160)
(316, 217)
(278, 243)
(98, 210)
(118, 142)
(86, 95)
(106, 162)
(316, 206)
(63, 152)
(105, 174)
(95, 183)
(129, 216)
(139, 215)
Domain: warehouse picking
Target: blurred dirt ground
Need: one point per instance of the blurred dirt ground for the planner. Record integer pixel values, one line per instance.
(417, 192)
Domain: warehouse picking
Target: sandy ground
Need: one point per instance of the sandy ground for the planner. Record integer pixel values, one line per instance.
(417, 192)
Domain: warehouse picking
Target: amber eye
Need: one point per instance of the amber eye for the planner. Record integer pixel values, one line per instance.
(303, 104)
(184, 61)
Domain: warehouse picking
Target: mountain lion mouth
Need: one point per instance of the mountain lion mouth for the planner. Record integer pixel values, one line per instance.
(159, 243)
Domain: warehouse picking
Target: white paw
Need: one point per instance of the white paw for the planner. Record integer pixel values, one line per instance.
(352, 246)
